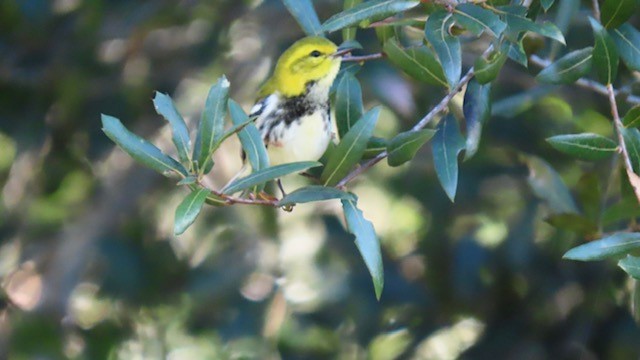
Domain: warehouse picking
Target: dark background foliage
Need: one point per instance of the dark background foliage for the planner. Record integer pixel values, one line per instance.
(91, 268)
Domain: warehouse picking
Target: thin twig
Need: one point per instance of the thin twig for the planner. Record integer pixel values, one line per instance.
(596, 9)
(363, 57)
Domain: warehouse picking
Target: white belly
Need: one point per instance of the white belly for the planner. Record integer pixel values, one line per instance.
(304, 140)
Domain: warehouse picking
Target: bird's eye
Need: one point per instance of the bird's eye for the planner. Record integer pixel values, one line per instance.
(315, 53)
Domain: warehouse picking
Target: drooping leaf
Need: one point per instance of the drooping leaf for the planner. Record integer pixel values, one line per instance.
(348, 104)
(569, 68)
(404, 146)
(314, 193)
(366, 241)
(547, 185)
(487, 69)
(189, 209)
(350, 149)
(259, 177)
(419, 63)
(446, 145)
(305, 15)
(631, 265)
(632, 117)
(627, 40)
(250, 138)
(632, 141)
(140, 149)
(585, 146)
(605, 54)
(517, 23)
(476, 109)
(212, 121)
(446, 46)
(373, 9)
(610, 246)
(478, 20)
(546, 4)
(350, 32)
(375, 146)
(180, 134)
(616, 12)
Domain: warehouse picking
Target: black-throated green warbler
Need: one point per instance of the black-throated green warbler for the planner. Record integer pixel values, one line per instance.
(293, 111)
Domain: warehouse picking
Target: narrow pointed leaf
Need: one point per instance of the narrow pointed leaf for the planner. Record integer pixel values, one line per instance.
(212, 121)
(373, 9)
(446, 46)
(419, 63)
(348, 104)
(632, 141)
(616, 12)
(140, 149)
(189, 209)
(180, 134)
(264, 175)
(250, 138)
(605, 54)
(350, 32)
(350, 149)
(305, 15)
(631, 265)
(610, 246)
(314, 193)
(478, 20)
(375, 146)
(517, 23)
(627, 40)
(487, 69)
(367, 243)
(446, 145)
(477, 110)
(569, 68)
(404, 146)
(516, 53)
(547, 184)
(632, 118)
(584, 146)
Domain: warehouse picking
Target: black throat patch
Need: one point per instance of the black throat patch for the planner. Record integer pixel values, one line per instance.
(298, 106)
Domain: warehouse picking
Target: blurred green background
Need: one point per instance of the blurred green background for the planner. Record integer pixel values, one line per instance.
(90, 268)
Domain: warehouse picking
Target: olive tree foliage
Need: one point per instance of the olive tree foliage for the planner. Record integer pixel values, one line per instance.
(513, 31)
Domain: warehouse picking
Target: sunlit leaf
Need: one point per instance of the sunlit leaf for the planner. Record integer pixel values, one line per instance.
(477, 110)
(569, 68)
(314, 193)
(189, 209)
(419, 63)
(140, 149)
(305, 15)
(366, 241)
(627, 40)
(404, 146)
(350, 149)
(446, 145)
(585, 146)
(616, 12)
(376, 9)
(479, 20)
(262, 176)
(212, 122)
(631, 265)
(547, 185)
(605, 55)
(632, 117)
(611, 246)
(445, 45)
(180, 134)
(348, 104)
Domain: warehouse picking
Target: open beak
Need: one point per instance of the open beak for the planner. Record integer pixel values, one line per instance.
(342, 52)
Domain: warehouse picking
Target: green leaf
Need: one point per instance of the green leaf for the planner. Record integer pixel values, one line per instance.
(250, 138)
(189, 180)
(366, 241)
(632, 141)
(610, 246)
(477, 110)
(348, 104)
(446, 46)
(517, 23)
(349, 33)
(375, 146)
(487, 69)
(140, 149)
(478, 20)
(314, 193)
(180, 134)
(616, 12)
(446, 145)
(631, 265)
(585, 146)
(627, 40)
(546, 4)
(212, 121)
(419, 63)
(547, 185)
(258, 177)
(236, 128)
(575, 223)
(632, 118)
(516, 53)
(605, 55)
(305, 15)
(377, 9)
(404, 146)
(569, 68)
(350, 149)
(188, 210)
(622, 210)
